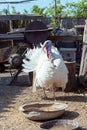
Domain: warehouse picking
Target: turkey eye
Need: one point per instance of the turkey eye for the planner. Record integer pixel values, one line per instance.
(47, 43)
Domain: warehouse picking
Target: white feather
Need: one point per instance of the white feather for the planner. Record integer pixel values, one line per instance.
(33, 56)
(51, 73)
(48, 73)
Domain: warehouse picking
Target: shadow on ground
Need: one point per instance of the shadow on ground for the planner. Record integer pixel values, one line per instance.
(8, 93)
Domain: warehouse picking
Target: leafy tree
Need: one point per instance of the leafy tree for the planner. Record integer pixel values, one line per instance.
(77, 9)
(50, 11)
(36, 10)
(55, 11)
(13, 10)
(5, 11)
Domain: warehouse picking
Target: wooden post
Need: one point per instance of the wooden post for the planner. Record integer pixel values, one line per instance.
(11, 29)
(83, 67)
(71, 77)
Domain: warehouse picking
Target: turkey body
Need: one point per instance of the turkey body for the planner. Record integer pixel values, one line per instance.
(49, 73)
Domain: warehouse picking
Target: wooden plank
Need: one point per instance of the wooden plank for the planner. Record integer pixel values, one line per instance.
(62, 38)
(15, 36)
(79, 26)
(20, 36)
(85, 34)
(19, 17)
(83, 66)
(22, 30)
(17, 30)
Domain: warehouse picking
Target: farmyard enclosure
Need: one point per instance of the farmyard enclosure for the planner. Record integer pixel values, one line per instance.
(14, 94)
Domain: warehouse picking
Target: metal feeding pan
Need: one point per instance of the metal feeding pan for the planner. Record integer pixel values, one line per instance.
(60, 124)
(36, 32)
(43, 111)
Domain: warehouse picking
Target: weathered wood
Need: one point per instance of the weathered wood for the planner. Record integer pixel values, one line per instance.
(22, 30)
(83, 60)
(62, 38)
(79, 29)
(85, 33)
(15, 36)
(71, 85)
(20, 36)
(83, 67)
(19, 17)
(4, 27)
(17, 30)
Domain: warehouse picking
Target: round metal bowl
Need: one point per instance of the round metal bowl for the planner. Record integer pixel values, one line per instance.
(59, 125)
(43, 111)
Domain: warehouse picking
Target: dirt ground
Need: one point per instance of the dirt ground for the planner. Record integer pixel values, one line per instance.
(11, 97)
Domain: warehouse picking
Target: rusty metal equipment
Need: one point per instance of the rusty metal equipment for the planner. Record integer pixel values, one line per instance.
(4, 54)
(11, 55)
(15, 60)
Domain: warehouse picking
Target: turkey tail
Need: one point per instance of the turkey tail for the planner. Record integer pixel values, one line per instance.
(28, 66)
(31, 60)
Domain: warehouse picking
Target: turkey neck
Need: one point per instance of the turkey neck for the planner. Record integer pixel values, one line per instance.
(49, 53)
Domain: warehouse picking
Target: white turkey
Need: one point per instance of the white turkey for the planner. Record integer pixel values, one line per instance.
(48, 65)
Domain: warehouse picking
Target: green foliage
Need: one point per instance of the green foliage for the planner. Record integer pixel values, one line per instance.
(77, 9)
(74, 9)
(25, 11)
(50, 11)
(36, 10)
(53, 10)
(13, 10)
